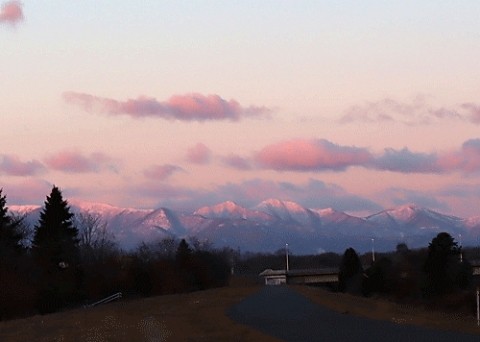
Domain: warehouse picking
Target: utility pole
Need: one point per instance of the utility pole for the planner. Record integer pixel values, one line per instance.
(286, 255)
(461, 253)
(373, 250)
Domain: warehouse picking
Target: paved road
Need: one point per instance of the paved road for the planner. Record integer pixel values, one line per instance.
(286, 314)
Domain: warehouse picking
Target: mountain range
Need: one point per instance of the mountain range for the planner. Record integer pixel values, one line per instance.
(273, 223)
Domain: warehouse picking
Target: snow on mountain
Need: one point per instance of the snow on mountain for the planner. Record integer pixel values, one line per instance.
(287, 211)
(412, 216)
(23, 209)
(472, 223)
(226, 209)
(272, 223)
(330, 215)
(231, 210)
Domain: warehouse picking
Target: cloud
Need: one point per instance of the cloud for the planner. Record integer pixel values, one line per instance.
(249, 193)
(405, 161)
(322, 155)
(189, 107)
(464, 191)
(415, 112)
(237, 162)
(399, 196)
(28, 191)
(161, 172)
(13, 166)
(11, 12)
(473, 111)
(311, 155)
(199, 154)
(76, 162)
(467, 159)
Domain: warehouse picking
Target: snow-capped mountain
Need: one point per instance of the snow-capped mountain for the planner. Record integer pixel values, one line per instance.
(231, 210)
(287, 211)
(272, 223)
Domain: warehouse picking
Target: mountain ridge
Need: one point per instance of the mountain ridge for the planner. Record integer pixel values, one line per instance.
(272, 223)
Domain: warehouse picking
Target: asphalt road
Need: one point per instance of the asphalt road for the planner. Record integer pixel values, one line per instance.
(281, 312)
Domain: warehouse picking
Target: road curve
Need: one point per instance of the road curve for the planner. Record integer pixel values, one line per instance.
(281, 312)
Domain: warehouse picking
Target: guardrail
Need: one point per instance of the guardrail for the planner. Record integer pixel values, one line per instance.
(105, 300)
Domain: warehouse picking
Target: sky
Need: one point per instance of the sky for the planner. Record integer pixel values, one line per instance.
(359, 106)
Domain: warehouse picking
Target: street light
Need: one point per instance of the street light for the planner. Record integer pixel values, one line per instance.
(286, 254)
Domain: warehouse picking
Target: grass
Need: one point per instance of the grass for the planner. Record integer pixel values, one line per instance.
(382, 309)
(200, 316)
(196, 316)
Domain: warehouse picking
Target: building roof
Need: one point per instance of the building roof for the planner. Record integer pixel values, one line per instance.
(297, 273)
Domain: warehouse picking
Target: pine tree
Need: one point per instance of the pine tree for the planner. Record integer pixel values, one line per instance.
(443, 268)
(56, 250)
(10, 236)
(56, 238)
(349, 275)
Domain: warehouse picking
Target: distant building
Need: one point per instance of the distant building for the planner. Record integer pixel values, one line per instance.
(307, 276)
(274, 277)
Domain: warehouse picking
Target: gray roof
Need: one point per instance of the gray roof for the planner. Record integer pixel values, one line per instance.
(297, 273)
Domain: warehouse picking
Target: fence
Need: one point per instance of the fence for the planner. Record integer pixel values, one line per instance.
(106, 300)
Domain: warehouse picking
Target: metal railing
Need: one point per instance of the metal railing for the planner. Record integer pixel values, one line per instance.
(105, 300)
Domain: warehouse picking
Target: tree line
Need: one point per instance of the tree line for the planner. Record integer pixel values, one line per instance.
(439, 276)
(71, 260)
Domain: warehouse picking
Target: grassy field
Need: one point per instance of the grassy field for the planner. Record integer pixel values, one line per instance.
(196, 316)
(200, 316)
(383, 309)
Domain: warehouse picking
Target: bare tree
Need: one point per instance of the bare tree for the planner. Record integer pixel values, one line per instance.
(95, 238)
(167, 248)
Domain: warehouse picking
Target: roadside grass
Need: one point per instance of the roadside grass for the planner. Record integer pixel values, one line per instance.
(200, 316)
(196, 316)
(382, 309)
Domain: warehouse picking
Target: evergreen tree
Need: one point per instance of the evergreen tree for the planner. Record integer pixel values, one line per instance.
(350, 273)
(55, 248)
(56, 238)
(184, 254)
(10, 235)
(443, 267)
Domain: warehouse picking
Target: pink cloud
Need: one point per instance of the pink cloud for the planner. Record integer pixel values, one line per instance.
(11, 12)
(161, 172)
(237, 162)
(473, 112)
(189, 107)
(75, 162)
(199, 154)
(28, 191)
(311, 155)
(466, 160)
(13, 166)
